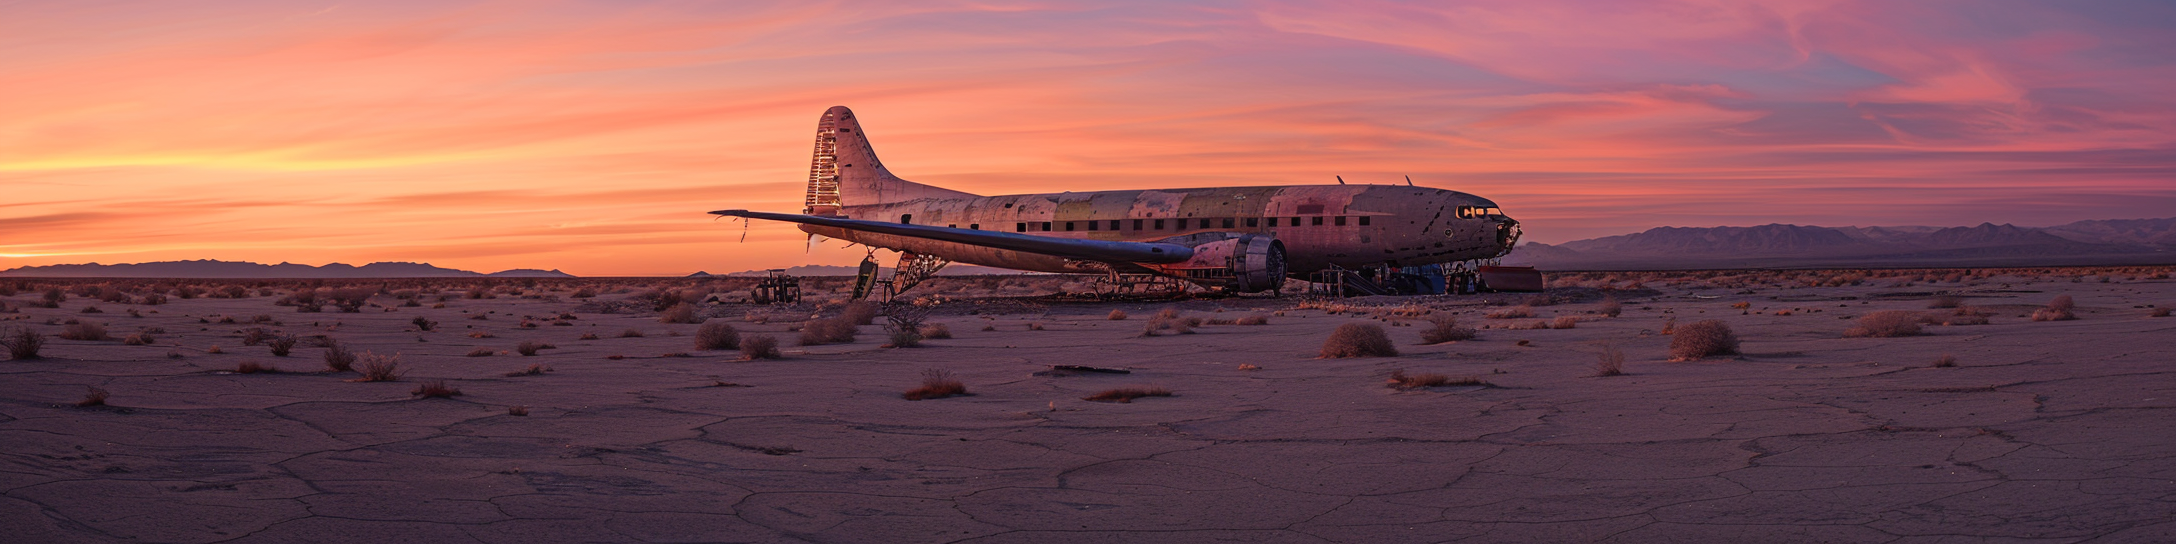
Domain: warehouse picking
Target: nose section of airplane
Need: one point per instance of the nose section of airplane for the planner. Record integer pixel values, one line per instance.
(1507, 234)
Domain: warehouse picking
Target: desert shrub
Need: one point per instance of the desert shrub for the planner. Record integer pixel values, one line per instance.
(905, 339)
(1255, 319)
(1703, 339)
(435, 389)
(1035, 326)
(759, 346)
(1945, 361)
(1515, 312)
(281, 345)
(517, 410)
(2158, 312)
(1886, 324)
(84, 330)
(139, 339)
(678, 313)
(232, 291)
(351, 299)
(1564, 322)
(1358, 340)
(1127, 394)
(529, 349)
(936, 331)
(1116, 315)
(1669, 326)
(482, 352)
(93, 396)
(2058, 309)
(585, 292)
(154, 299)
(254, 336)
(22, 343)
(1160, 324)
(1610, 362)
(1444, 328)
(716, 334)
(253, 367)
(1167, 313)
(1945, 302)
(631, 333)
(1610, 307)
(91, 310)
(532, 370)
(337, 357)
(836, 330)
(378, 368)
(1399, 379)
(861, 312)
(936, 384)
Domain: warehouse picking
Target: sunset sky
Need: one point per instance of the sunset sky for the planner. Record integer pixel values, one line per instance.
(591, 137)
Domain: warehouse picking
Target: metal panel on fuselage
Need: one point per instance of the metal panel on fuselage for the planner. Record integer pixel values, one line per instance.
(1407, 225)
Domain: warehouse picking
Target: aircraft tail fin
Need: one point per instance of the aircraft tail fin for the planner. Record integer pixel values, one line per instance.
(846, 172)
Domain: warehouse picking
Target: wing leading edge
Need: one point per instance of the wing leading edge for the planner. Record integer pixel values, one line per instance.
(1096, 250)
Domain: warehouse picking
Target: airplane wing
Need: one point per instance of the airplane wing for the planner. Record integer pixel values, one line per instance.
(1097, 250)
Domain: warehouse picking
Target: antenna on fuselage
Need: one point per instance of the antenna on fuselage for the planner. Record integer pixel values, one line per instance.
(1409, 181)
(1341, 180)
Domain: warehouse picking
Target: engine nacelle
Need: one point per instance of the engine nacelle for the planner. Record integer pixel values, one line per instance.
(1247, 263)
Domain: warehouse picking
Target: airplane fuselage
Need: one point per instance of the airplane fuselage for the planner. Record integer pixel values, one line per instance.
(1320, 226)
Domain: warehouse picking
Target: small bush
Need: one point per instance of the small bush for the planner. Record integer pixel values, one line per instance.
(1564, 322)
(92, 310)
(936, 331)
(836, 330)
(1125, 395)
(1444, 328)
(1358, 340)
(2158, 312)
(93, 396)
(1703, 339)
(679, 313)
(253, 367)
(86, 331)
(281, 345)
(631, 333)
(715, 334)
(378, 368)
(481, 352)
(1116, 315)
(337, 357)
(533, 370)
(759, 346)
(936, 384)
(1610, 307)
(905, 339)
(1253, 319)
(1610, 362)
(1945, 302)
(422, 324)
(435, 389)
(861, 312)
(22, 343)
(138, 339)
(1399, 379)
(2058, 309)
(1167, 313)
(1886, 324)
(517, 410)
(1160, 324)
(1035, 326)
(529, 349)
(1945, 361)
(255, 336)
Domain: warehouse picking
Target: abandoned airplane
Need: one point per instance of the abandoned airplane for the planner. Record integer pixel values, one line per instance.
(1237, 239)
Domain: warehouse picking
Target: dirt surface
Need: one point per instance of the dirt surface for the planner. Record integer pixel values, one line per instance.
(2043, 431)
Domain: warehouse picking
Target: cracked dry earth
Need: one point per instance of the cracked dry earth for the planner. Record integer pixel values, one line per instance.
(2043, 432)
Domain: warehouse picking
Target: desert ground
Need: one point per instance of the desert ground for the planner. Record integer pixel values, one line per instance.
(2040, 431)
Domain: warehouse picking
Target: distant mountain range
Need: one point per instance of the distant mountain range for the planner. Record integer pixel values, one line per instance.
(830, 270)
(2100, 242)
(234, 269)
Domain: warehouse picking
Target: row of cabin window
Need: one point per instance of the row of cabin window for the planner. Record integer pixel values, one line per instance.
(1180, 224)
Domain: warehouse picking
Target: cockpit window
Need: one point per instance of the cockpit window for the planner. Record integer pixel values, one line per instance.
(1470, 212)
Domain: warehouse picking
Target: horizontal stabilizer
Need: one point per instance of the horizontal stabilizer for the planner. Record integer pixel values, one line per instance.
(1095, 250)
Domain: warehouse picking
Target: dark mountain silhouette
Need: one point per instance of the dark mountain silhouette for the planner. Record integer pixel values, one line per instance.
(236, 269)
(2135, 241)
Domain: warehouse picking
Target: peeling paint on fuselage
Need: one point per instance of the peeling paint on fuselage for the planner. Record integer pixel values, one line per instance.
(1350, 226)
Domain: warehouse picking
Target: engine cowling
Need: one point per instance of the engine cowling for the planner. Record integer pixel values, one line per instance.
(1247, 263)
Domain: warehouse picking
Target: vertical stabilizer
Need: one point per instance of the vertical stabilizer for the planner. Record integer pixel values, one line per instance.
(846, 172)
